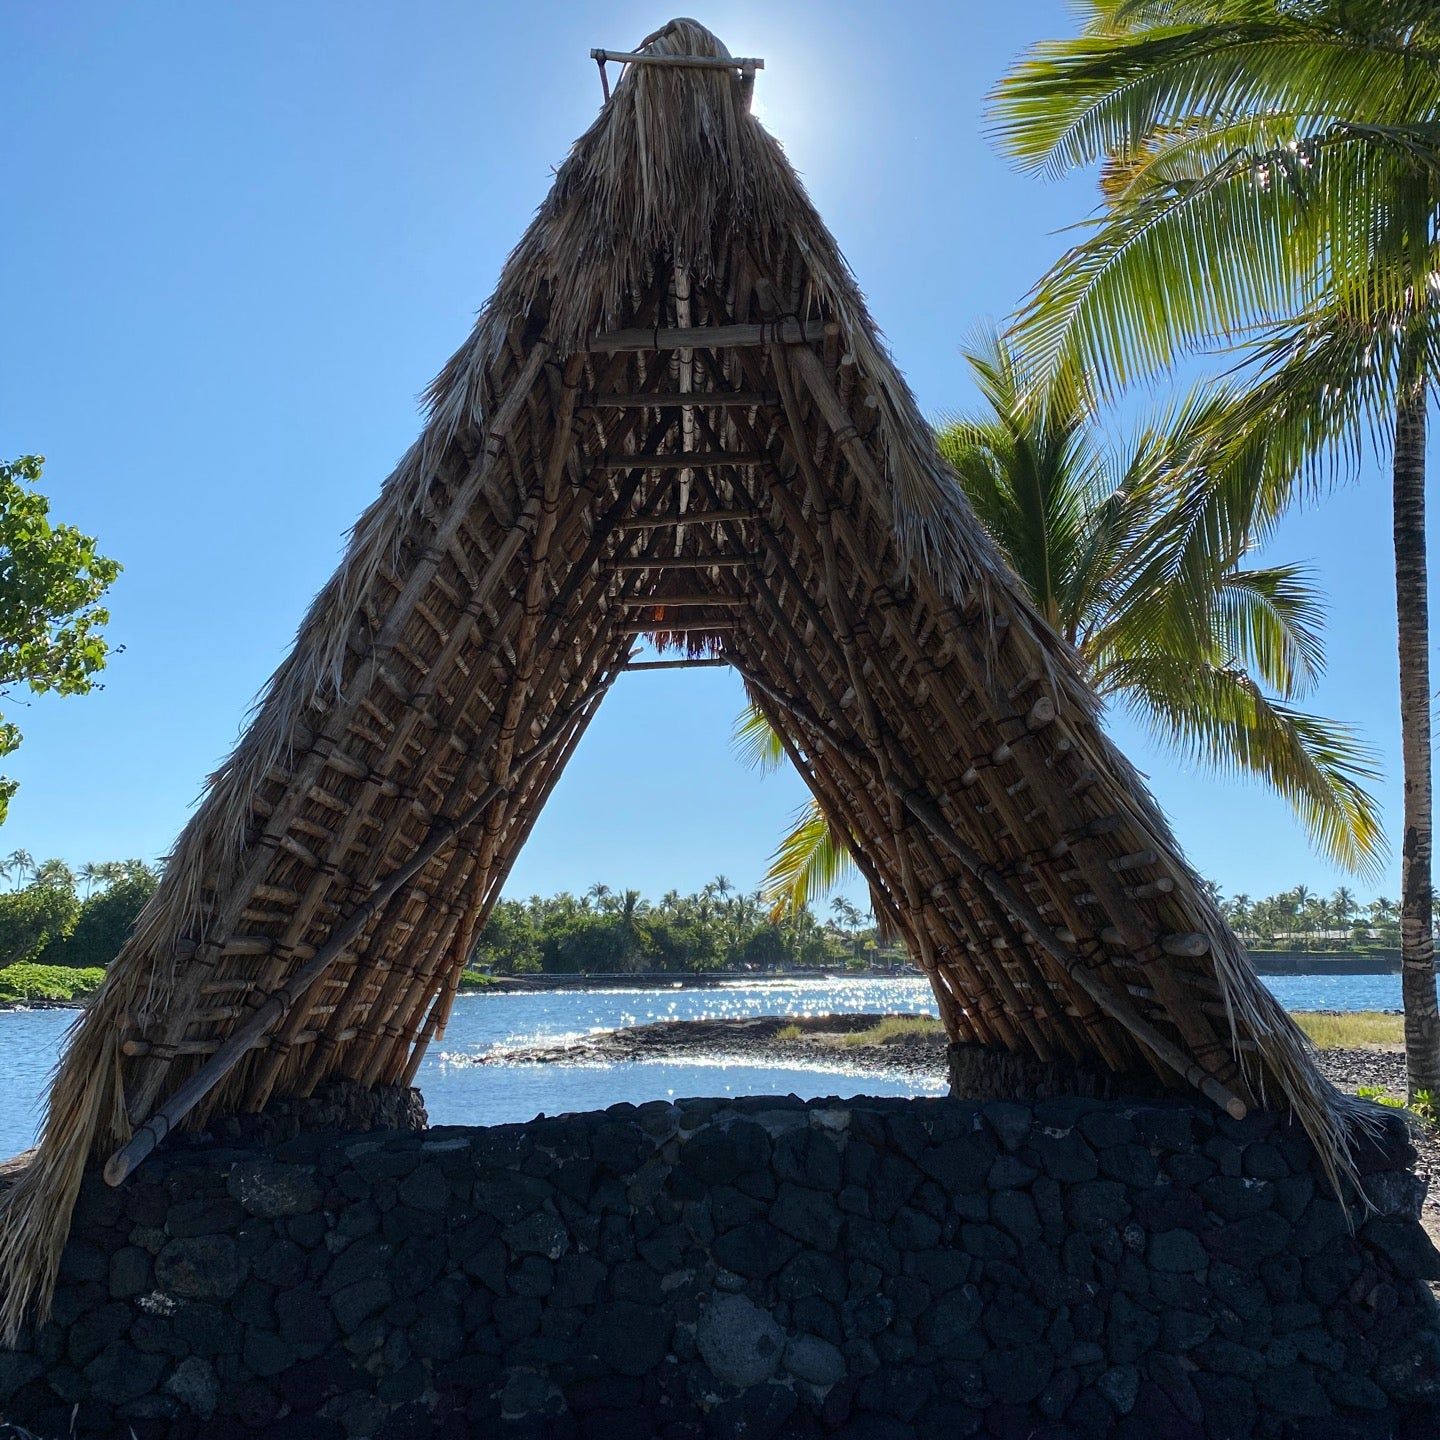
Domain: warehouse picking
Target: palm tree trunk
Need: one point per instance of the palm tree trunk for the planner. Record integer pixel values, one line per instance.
(1417, 938)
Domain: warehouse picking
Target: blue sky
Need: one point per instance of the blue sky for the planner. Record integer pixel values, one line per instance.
(243, 237)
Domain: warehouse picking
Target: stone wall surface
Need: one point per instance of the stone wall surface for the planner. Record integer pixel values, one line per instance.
(870, 1268)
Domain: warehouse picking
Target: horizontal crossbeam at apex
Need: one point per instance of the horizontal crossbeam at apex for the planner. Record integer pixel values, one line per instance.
(696, 623)
(690, 517)
(683, 562)
(712, 337)
(646, 602)
(694, 460)
(665, 399)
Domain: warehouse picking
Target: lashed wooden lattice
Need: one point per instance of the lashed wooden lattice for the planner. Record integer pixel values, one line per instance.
(674, 418)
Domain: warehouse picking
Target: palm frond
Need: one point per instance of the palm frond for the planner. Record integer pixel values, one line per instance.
(754, 743)
(811, 860)
(1075, 101)
(1222, 719)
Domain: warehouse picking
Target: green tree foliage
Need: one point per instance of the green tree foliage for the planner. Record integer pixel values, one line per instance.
(51, 580)
(44, 920)
(1142, 557)
(32, 918)
(105, 919)
(1271, 176)
(1299, 919)
(717, 928)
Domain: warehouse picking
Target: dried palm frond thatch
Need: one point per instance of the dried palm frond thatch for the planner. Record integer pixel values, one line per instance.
(675, 417)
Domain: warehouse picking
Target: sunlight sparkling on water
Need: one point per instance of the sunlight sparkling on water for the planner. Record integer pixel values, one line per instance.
(465, 1094)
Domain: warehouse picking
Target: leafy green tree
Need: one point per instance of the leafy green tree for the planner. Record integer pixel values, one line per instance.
(105, 917)
(51, 580)
(1271, 173)
(33, 917)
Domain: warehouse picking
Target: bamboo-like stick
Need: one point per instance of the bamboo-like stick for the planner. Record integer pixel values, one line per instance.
(679, 62)
(242, 1038)
(683, 562)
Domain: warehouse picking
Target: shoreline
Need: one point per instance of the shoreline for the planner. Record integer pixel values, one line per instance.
(908, 1052)
(1271, 963)
(792, 1040)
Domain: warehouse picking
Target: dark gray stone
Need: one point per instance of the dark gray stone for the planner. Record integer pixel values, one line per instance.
(538, 1234)
(960, 1164)
(807, 1216)
(740, 1343)
(199, 1267)
(630, 1338)
(1096, 1204)
(358, 1302)
(120, 1373)
(270, 1190)
(952, 1318)
(813, 1360)
(1120, 1385)
(810, 1157)
(1177, 1251)
(1405, 1245)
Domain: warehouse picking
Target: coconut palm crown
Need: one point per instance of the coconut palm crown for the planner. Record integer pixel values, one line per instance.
(1271, 181)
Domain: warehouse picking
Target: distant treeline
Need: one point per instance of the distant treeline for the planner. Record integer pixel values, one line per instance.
(53, 915)
(1299, 919)
(716, 928)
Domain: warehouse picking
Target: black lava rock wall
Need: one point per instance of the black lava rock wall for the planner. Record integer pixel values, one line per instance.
(871, 1268)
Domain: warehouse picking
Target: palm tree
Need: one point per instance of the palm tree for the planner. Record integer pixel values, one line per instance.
(19, 865)
(1138, 559)
(1272, 180)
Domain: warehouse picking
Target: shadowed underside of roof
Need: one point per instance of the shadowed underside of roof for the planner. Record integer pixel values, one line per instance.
(673, 418)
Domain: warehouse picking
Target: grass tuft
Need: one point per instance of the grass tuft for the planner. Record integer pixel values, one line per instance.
(1358, 1030)
(891, 1028)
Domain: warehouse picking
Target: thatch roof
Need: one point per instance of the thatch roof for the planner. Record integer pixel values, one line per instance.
(317, 910)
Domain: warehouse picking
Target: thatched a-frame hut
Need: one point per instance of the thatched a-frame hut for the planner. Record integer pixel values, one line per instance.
(674, 417)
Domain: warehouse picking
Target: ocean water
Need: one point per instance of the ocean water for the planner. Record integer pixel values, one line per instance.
(457, 1093)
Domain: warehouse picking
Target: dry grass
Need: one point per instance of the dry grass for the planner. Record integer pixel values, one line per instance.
(885, 1030)
(892, 1027)
(1360, 1030)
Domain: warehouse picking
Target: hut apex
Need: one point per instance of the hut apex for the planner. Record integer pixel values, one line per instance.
(674, 418)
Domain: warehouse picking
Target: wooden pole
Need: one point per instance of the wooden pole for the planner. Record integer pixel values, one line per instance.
(242, 1039)
(710, 337)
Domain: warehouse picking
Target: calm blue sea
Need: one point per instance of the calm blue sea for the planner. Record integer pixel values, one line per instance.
(462, 1094)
